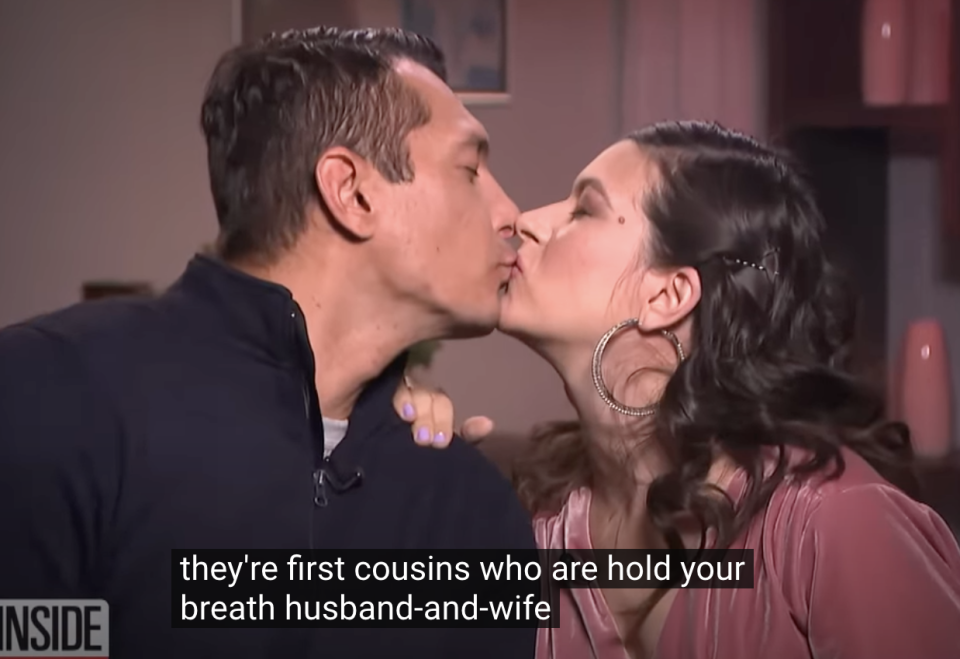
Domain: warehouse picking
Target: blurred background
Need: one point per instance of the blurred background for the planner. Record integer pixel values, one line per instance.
(103, 183)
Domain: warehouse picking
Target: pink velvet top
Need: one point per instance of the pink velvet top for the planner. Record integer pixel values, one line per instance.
(847, 569)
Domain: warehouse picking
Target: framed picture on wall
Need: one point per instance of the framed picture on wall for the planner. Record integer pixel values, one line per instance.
(471, 33)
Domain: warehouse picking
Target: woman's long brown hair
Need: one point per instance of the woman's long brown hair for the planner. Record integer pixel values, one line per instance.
(770, 361)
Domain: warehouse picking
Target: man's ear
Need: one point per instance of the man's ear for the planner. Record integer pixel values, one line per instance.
(344, 180)
(670, 297)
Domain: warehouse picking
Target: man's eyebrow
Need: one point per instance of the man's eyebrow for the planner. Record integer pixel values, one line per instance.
(592, 183)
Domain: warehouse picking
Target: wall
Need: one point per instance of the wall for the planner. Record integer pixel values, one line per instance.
(584, 74)
(694, 59)
(562, 113)
(915, 290)
(102, 171)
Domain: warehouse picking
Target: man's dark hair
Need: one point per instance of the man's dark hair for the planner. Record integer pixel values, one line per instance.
(273, 107)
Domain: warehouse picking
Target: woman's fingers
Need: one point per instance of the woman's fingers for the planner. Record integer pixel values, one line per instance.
(424, 425)
(476, 428)
(442, 420)
(431, 415)
(403, 402)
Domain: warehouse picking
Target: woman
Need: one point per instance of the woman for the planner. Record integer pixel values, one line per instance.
(683, 295)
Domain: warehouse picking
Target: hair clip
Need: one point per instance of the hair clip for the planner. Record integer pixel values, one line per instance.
(755, 266)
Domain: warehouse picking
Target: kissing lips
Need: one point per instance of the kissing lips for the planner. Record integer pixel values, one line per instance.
(510, 267)
(517, 268)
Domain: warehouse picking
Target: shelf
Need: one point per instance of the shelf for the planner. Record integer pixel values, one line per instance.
(913, 118)
(814, 94)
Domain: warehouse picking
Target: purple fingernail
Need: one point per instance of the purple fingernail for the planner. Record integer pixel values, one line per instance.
(423, 435)
(439, 438)
(407, 411)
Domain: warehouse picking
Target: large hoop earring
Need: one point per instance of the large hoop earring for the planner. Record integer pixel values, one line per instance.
(646, 410)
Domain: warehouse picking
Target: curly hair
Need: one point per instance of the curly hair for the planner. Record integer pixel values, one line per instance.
(770, 365)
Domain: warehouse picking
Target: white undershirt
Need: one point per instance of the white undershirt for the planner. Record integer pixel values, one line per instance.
(333, 432)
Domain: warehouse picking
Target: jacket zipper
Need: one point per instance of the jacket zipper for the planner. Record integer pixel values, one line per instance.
(318, 475)
(319, 489)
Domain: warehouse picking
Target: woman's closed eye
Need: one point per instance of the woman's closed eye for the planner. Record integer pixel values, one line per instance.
(585, 206)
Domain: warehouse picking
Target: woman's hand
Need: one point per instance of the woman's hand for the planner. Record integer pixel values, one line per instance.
(430, 413)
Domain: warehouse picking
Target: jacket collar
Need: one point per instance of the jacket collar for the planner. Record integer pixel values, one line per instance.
(262, 318)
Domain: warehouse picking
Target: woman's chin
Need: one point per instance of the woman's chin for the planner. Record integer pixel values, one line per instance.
(518, 326)
(512, 314)
(524, 321)
(508, 327)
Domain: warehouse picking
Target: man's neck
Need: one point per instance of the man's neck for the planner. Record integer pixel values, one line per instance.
(354, 330)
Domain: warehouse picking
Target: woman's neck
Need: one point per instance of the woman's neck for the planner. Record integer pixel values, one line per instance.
(628, 458)
(621, 443)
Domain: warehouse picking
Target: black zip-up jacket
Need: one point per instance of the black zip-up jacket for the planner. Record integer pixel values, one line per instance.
(131, 427)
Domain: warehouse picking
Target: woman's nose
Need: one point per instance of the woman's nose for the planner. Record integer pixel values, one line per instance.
(527, 227)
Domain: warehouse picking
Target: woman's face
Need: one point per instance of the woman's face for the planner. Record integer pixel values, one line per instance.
(582, 258)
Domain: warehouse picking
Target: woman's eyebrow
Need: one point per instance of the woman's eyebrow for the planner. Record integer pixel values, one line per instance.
(591, 183)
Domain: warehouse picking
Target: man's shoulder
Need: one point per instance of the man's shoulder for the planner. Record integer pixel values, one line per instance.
(459, 468)
(468, 483)
(464, 464)
(486, 488)
(85, 320)
(83, 327)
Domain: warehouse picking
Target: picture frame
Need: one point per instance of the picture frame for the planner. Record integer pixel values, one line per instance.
(473, 34)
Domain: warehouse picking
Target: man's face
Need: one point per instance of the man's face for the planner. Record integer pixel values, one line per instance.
(443, 244)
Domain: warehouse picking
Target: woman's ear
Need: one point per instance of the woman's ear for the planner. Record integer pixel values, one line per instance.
(671, 295)
(344, 181)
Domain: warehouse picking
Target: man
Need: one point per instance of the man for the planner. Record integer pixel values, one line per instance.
(357, 217)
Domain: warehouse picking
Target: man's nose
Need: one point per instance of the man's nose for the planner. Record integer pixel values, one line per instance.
(506, 218)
